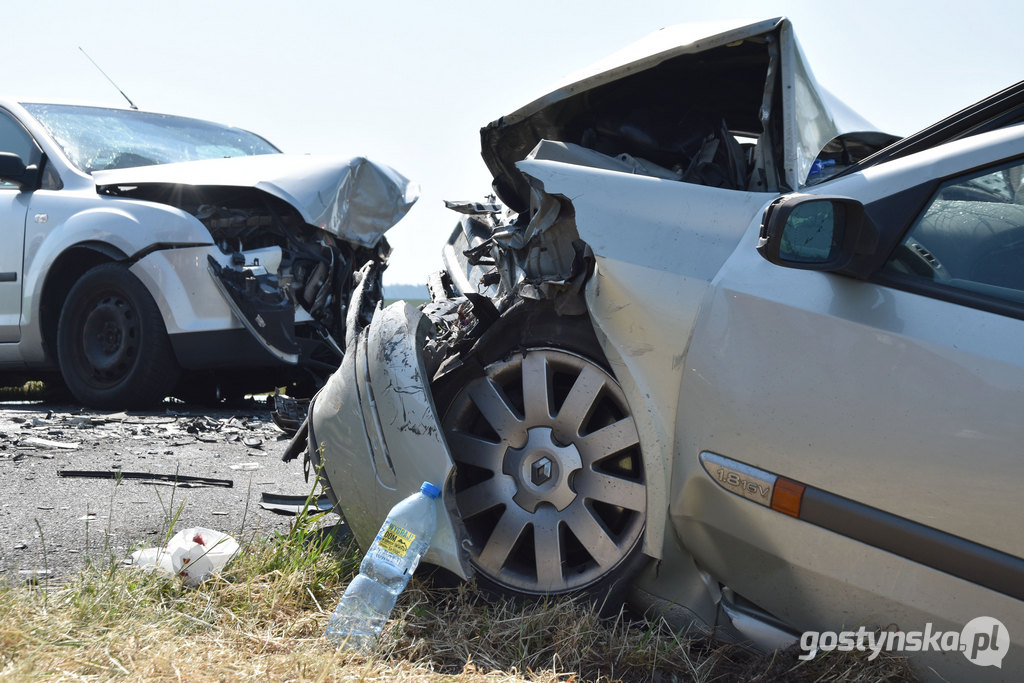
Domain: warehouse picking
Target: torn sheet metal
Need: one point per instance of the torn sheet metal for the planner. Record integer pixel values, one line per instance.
(353, 198)
(365, 300)
(664, 100)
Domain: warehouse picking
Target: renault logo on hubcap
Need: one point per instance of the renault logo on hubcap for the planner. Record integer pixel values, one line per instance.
(541, 471)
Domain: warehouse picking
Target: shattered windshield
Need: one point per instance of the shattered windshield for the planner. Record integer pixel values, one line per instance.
(97, 139)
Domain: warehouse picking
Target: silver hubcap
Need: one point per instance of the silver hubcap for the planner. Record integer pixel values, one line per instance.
(550, 480)
(541, 470)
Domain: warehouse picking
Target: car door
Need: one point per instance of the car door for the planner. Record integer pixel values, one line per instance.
(892, 403)
(14, 205)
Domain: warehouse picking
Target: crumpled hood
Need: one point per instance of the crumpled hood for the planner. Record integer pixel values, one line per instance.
(354, 198)
(751, 74)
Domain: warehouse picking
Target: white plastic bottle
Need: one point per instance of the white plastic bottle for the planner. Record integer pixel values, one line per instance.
(385, 571)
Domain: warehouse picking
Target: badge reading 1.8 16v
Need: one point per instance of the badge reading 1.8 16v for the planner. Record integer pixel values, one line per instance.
(392, 543)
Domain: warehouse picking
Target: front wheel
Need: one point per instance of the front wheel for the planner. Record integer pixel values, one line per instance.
(112, 346)
(550, 479)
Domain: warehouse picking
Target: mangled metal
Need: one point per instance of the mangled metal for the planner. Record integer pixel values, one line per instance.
(296, 236)
(719, 104)
(622, 193)
(353, 198)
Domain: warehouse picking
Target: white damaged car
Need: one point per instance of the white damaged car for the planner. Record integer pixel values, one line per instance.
(716, 352)
(144, 249)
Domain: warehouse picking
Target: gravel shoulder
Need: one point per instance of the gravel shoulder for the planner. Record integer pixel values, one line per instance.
(53, 525)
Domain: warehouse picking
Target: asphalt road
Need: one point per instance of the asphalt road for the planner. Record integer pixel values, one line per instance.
(52, 525)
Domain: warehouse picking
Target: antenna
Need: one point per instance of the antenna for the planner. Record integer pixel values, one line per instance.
(132, 104)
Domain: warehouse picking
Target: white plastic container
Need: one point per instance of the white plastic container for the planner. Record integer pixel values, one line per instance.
(385, 571)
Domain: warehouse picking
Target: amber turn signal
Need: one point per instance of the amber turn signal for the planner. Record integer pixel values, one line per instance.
(787, 497)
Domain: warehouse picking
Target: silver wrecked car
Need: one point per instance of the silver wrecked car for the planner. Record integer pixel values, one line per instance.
(717, 352)
(144, 247)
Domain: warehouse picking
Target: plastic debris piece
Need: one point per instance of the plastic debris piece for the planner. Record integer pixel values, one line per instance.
(32, 576)
(292, 505)
(245, 466)
(287, 413)
(194, 554)
(46, 443)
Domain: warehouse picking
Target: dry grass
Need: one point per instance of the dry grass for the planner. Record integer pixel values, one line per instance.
(29, 391)
(264, 617)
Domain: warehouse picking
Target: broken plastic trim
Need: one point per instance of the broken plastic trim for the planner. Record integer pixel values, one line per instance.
(261, 307)
(294, 505)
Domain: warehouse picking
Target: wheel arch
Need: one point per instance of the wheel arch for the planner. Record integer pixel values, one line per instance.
(61, 276)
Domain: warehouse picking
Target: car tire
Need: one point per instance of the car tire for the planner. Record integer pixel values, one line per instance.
(112, 346)
(550, 502)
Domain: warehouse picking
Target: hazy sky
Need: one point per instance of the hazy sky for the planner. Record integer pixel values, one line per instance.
(411, 83)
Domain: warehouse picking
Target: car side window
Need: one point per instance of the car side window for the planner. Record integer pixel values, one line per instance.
(15, 139)
(970, 236)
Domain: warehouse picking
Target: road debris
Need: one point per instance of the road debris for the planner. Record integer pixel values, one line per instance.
(148, 447)
(287, 413)
(31, 431)
(293, 505)
(46, 443)
(32, 576)
(193, 554)
(183, 480)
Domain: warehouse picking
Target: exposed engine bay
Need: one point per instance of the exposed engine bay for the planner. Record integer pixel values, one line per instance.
(311, 283)
(316, 274)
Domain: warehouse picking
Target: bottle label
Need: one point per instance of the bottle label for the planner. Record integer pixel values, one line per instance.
(394, 541)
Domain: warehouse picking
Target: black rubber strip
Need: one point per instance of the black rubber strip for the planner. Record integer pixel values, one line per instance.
(951, 554)
(149, 476)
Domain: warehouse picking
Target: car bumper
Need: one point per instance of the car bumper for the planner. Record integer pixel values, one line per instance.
(375, 436)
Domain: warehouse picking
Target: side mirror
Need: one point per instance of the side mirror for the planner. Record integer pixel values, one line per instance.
(14, 170)
(813, 232)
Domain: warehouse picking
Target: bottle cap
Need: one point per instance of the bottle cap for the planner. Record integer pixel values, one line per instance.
(430, 490)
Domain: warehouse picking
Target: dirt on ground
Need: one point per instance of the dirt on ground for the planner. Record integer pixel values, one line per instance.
(79, 485)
